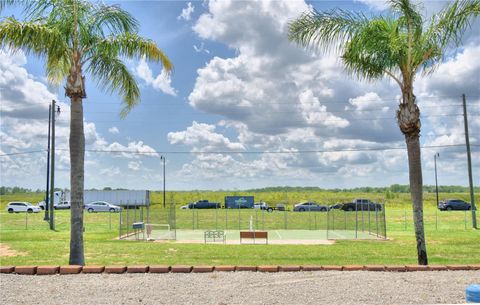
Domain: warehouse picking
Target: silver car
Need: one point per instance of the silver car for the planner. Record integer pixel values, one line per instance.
(309, 206)
(102, 206)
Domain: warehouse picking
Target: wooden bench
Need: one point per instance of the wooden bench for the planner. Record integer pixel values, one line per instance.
(254, 235)
(214, 236)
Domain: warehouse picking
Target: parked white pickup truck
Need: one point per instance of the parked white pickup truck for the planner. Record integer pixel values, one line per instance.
(56, 205)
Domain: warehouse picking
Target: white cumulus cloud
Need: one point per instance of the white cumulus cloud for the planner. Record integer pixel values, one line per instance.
(161, 82)
(187, 12)
(113, 130)
(203, 137)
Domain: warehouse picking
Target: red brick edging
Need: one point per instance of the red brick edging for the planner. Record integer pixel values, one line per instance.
(73, 269)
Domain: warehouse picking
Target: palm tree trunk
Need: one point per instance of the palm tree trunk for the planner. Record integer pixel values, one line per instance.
(75, 89)
(408, 116)
(416, 193)
(77, 156)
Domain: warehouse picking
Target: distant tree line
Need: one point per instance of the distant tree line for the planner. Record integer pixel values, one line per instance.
(5, 190)
(394, 188)
(388, 190)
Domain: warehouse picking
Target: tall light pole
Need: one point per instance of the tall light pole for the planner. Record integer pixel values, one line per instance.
(436, 181)
(52, 172)
(47, 202)
(163, 158)
(55, 110)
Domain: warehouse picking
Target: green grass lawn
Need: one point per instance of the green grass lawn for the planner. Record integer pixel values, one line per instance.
(448, 242)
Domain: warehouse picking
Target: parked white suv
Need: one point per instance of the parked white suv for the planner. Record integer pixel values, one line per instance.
(22, 207)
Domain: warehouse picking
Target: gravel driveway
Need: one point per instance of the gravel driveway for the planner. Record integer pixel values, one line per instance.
(222, 288)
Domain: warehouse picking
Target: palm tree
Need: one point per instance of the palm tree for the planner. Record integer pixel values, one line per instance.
(76, 36)
(397, 46)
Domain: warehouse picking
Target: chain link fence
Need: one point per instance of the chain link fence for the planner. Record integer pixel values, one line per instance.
(140, 223)
(337, 224)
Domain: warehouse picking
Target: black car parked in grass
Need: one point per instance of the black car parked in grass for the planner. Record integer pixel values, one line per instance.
(353, 206)
(202, 204)
(453, 204)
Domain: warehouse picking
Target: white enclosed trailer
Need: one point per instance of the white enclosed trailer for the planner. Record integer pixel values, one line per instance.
(117, 197)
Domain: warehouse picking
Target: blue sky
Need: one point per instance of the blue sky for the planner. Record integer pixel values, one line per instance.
(240, 87)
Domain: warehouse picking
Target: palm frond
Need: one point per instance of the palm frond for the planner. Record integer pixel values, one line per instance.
(408, 12)
(113, 76)
(450, 24)
(131, 45)
(35, 10)
(31, 37)
(58, 67)
(323, 30)
(374, 50)
(112, 18)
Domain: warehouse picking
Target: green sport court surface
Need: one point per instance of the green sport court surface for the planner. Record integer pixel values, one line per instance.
(274, 236)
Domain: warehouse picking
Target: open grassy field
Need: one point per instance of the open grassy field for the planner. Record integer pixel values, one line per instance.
(450, 239)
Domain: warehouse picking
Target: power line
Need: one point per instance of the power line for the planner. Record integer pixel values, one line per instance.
(394, 109)
(286, 121)
(264, 152)
(23, 153)
(245, 152)
(386, 99)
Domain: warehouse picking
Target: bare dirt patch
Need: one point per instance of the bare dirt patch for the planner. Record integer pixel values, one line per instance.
(6, 251)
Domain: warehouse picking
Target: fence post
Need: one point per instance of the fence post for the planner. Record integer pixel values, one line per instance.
(239, 228)
(110, 220)
(127, 219)
(26, 220)
(285, 218)
(369, 231)
(309, 218)
(328, 219)
(135, 212)
(120, 225)
(193, 218)
(216, 218)
(436, 219)
(263, 220)
(376, 219)
(226, 218)
(356, 220)
(345, 216)
(384, 222)
(148, 213)
(174, 215)
(362, 218)
(333, 217)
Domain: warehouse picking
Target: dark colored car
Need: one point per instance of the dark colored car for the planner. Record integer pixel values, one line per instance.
(204, 204)
(453, 204)
(352, 206)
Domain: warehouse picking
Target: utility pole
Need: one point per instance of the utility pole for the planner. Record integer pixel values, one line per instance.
(52, 171)
(469, 158)
(436, 181)
(46, 218)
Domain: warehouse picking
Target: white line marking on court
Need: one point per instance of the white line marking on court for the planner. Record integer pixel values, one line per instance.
(279, 236)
